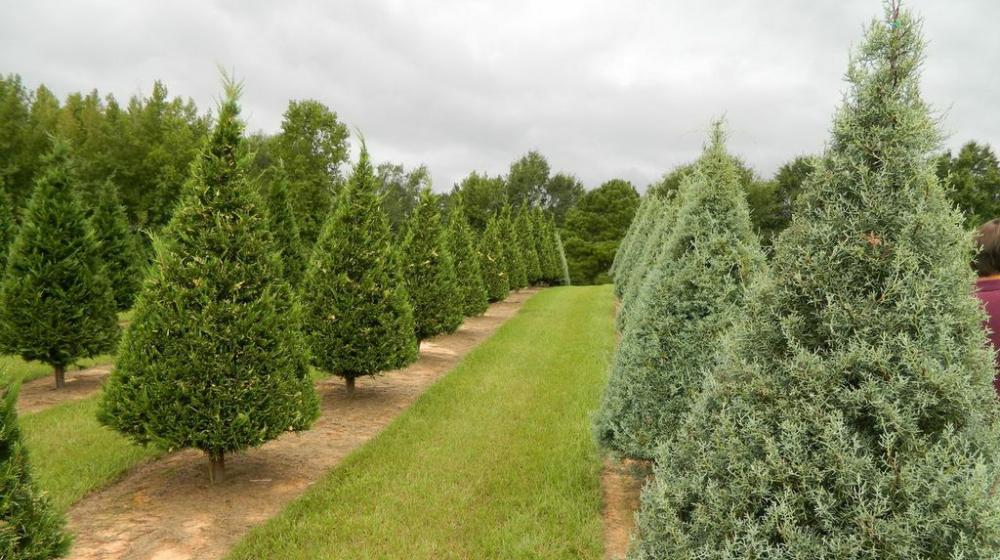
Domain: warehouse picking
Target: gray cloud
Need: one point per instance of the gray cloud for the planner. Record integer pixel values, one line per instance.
(603, 89)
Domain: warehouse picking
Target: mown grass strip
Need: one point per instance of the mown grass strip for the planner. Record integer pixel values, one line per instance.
(494, 461)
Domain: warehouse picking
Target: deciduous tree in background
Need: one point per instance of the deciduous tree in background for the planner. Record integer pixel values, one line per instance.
(56, 303)
(851, 413)
(29, 527)
(972, 179)
(483, 197)
(214, 358)
(595, 227)
(430, 271)
(358, 317)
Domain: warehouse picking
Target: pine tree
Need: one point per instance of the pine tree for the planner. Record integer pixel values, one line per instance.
(648, 257)
(214, 358)
(284, 229)
(118, 247)
(851, 413)
(471, 289)
(493, 262)
(513, 255)
(690, 298)
(29, 528)
(57, 302)
(430, 271)
(358, 318)
(523, 226)
(539, 230)
(564, 277)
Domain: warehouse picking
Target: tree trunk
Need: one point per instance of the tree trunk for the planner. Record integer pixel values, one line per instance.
(60, 372)
(349, 384)
(216, 467)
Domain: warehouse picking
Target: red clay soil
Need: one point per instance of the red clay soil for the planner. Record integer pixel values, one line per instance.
(39, 394)
(167, 510)
(621, 483)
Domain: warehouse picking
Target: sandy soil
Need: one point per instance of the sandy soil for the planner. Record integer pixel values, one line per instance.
(39, 394)
(621, 482)
(166, 510)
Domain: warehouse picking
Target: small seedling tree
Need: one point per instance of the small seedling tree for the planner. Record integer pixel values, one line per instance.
(358, 318)
(214, 358)
(57, 301)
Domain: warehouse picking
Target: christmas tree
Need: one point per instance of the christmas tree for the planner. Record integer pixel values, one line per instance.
(493, 262)
(471, 289)
(119, 250)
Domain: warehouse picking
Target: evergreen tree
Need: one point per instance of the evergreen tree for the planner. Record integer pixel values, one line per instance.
(690, 298)
(29, 528)
(358, 318)
(851, 413)
(430, 272)
(57, 302)
(214, 358)
(493, 261)
(625, 262)
(526, 240)
(471, 289)
(283, 227)
(119, 250)
(564, 274)
(7, 227)
(595, 227)
(513, 255)
(650, 255)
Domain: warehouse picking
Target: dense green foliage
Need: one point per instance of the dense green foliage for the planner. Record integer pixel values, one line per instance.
(493, 262)
(358, 318)
(29, 527)
(494, 460)
(430, 272)
(124, 262)
(973, 180)
(524, 227)
(483, 197)
(636, 239)
(851, 413)
(400, 192)
(312, 144)
(7, 227)
(57, 302)
(690, 297)
(513, 251)
(595, 227)
(284, 228)
(471, 290)
(648, 255)
(214, 358)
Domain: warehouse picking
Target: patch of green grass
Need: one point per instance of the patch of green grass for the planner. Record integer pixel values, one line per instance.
(72, 454)
(13, 368)
(494, 461)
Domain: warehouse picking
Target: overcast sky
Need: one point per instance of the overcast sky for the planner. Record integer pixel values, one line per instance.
(603, 89)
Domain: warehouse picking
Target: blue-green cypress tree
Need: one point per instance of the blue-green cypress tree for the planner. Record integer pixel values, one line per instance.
(851, 413)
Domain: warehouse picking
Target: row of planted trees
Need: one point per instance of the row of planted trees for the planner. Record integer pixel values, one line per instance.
(836, 402)
(234, 309)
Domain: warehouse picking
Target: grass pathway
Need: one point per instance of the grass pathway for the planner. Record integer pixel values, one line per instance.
(494, 461)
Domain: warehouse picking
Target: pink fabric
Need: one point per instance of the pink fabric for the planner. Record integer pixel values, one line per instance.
(988, 291)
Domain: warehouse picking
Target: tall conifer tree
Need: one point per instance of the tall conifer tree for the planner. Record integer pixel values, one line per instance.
(690, 298)
(471, 289)
(852, 413)
(283, 225)
(493, 260)
(56, 303)
(214, 358)
(513, 255)
(523, 226)
(430, 271)
(119, 249)
(358, 318)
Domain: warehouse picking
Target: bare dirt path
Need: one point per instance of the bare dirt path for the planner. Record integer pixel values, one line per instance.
(621, 483)
(166, 510)
(38, 394)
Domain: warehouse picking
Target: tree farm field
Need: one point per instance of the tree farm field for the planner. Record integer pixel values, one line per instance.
(495, 458)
